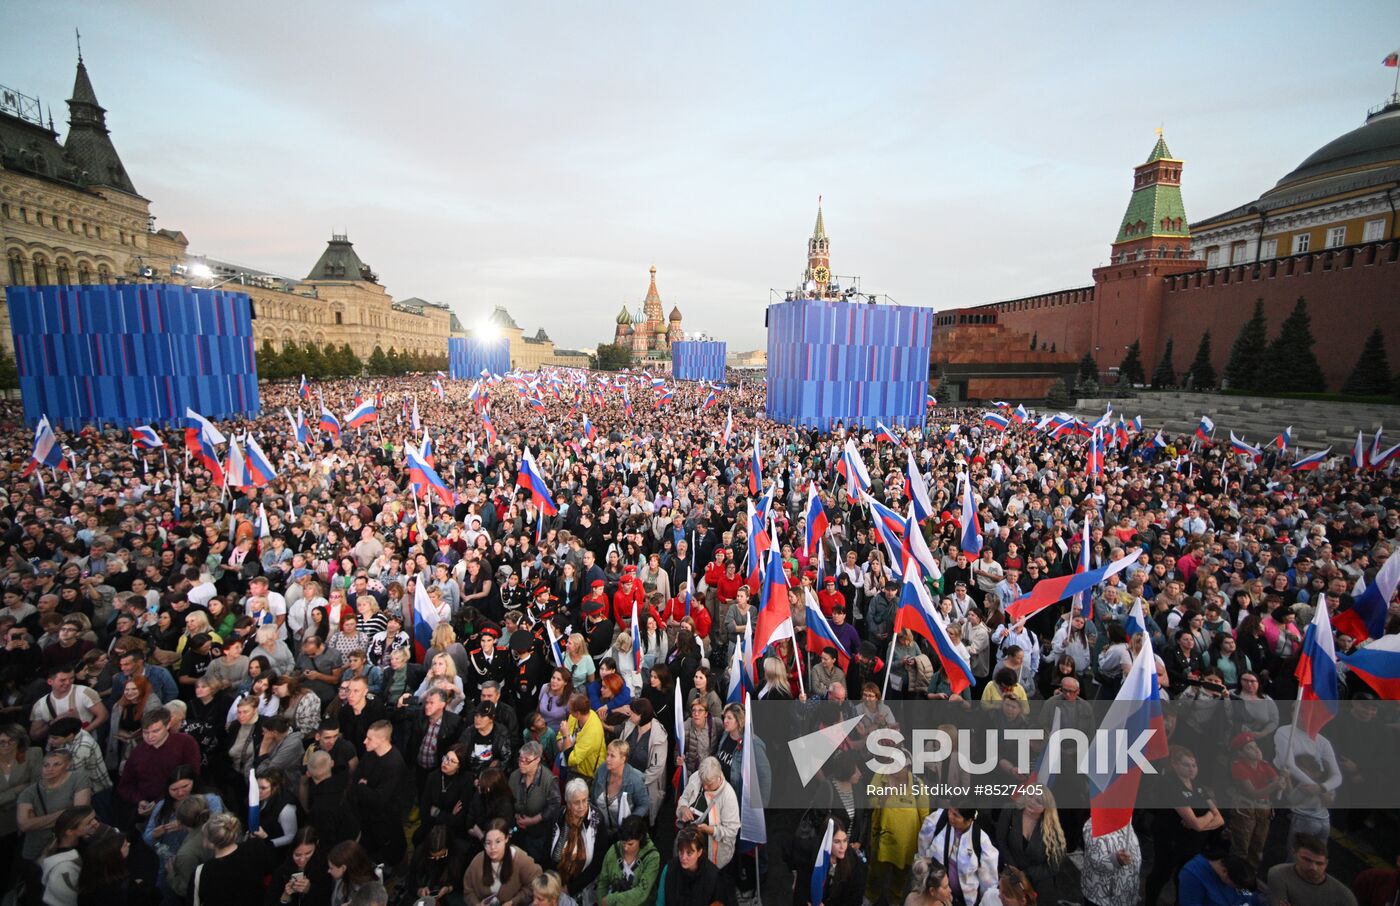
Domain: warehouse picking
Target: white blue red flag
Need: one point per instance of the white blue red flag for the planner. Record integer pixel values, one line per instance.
(1317, 674)
(1285, 437)
(816, 519)
(304, 391)
(424, 478)
(260, 470)
(47, 450)
(486, 423)
(917, 614)
(1377, 664)
(329, 423)
(885, 435)
(728, 427)
(821, 635)
(1357, 459)
(1053, 590)
(774, 619)
(1205, 430)
(1114, 776)
(995, 420)
(531, 478)
(1311, 462)
(1370, 604)
(201, 439)
(363, 413)
(425, 618)
(236, 472)
(146, 438)
(1093, 464)
(755, 467)
(822, 867)
(915, 488)
(1240, 447)
(711, 399)
(852, 466)
(1019, 414)
(971, 525)
(589, 431)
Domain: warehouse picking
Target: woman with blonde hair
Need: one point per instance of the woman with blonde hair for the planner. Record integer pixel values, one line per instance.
(444, 641)
(1029, 837)
(442, 674)
(579, 662)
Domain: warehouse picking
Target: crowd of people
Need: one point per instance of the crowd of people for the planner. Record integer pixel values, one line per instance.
(215, 695)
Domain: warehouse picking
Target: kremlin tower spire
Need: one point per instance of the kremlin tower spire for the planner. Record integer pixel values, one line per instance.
(817, 279)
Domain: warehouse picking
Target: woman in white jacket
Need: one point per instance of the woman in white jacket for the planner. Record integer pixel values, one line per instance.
(62, 864)
(709, 804)
(952, 834)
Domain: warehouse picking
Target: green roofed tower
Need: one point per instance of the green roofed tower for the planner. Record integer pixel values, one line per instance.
(1155, 225)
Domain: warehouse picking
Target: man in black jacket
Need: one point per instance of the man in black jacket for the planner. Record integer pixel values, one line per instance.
(431, 733)
(376, 793)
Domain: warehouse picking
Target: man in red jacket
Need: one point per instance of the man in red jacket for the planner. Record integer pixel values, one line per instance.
(147, 773)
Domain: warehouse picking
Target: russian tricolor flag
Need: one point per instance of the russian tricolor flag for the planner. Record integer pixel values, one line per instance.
(971, 540)
(1093, 464)
(817, 522)
(663, 398)
(822, 868)
(1358, 453)
(47, 450)
(1376, 663)
(1019, 414)
(1051, 591)
(589, 431)
(439, 390)
(626, 402)
(884, 434)
(728, 427)
(486, 423)
(916, 489)
(425, 618)
(304, 391)
(531, 478)
(774, 620)
(201, 438)
(426, 479)
(1311, 462)
(755, 467)
(146, 438)
(1285, 437)
(1205, 430)
(710, 400)
(821, 635)
(636, 639)
(1113, 777)
(1317, 674)
(853, 467)
(995, 420)
(1241, 448)
(260, 470)
(299, 429)
(329, 423)
(236, 473)
(917, 613)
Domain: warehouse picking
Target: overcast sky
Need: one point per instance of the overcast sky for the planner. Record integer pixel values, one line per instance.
(543, 156)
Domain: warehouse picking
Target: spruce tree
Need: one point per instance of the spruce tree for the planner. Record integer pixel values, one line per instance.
(315, 361)
(1289, 363)
(1130, 370)
(293, 360)
(350, 361)
(1057, 397)
(1371, 376)
(269, 362)
(9, 371)
(1247, 353)
(1165, 375)
(1088, 368)
(378, 362)
(1202, 372)
(1035, 336)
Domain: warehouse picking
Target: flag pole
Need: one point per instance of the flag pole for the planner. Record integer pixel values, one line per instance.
(889, 665)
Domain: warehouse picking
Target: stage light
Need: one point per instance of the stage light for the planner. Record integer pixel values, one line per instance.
(200, 271)
(485, 330)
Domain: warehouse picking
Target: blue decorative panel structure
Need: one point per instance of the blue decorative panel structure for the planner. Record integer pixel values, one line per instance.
(466, 356)
(133, 354)
(698, 360)
(847, 362)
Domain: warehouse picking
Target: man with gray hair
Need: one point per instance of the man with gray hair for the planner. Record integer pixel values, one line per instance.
(537, 802)
(371, 894)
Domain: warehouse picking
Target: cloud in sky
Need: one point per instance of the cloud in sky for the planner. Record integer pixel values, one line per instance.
(542, 157)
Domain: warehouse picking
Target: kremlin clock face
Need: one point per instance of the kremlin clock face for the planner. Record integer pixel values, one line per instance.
(821, 274)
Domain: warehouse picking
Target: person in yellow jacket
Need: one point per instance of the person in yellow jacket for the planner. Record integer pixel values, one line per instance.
(894, 834)
(582, 738)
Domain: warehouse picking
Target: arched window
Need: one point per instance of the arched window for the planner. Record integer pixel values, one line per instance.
(84, 273)
(64, 274)
(41, 271)
(16, 269)
(104, 276)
